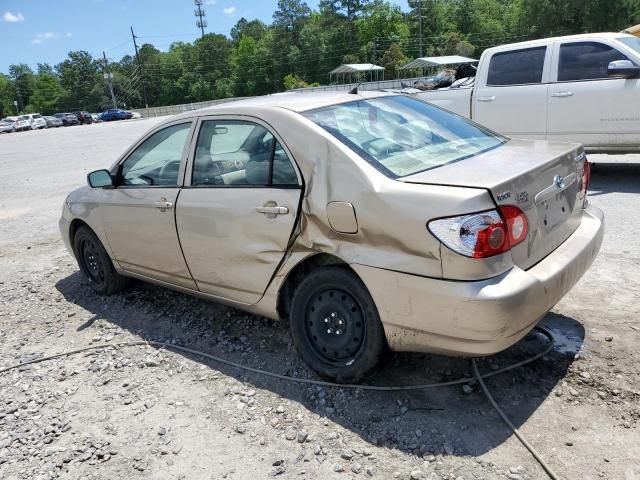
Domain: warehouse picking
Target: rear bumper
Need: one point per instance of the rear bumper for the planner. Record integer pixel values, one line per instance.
(481, 317)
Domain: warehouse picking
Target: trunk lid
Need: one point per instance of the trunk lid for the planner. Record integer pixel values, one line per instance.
(541, 178)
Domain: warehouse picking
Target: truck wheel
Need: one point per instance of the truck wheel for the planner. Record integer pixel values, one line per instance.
(95, 264)
(335, 325)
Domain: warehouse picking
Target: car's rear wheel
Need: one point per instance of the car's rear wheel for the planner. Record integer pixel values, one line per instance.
(95, 264)
(335, 325)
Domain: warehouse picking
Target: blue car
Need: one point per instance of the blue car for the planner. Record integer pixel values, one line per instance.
(115, 114)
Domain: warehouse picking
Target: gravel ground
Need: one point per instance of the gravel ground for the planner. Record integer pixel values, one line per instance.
(141, 412)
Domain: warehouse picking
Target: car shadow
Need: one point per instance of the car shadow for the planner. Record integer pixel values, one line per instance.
(607, 177)
(429, 421)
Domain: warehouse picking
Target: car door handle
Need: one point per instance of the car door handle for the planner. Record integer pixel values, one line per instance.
(487, 99)
(277, 210)
(562, 94)
(163, 204)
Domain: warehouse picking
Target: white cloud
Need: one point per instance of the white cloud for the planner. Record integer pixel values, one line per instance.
(12, 17)
(42, 37)
(210, 2)
(229, 10)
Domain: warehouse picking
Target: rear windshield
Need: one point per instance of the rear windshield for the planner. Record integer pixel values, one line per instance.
(402, 136)
(631, 42)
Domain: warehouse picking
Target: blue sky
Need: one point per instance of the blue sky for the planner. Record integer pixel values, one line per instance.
(39, 31)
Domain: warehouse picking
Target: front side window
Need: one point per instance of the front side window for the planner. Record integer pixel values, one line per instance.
(586, 61)
(157, 160)
(519, 67)
(236, 152)
(401, 135)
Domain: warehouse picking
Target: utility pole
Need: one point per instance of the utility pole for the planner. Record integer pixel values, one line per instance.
(108, 76)
(201, 23)
(420, 24)
(144, 85)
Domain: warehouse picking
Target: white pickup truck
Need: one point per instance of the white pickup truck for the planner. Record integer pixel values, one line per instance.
(583, 89)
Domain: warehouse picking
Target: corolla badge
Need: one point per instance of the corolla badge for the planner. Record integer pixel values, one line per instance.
(558, 180)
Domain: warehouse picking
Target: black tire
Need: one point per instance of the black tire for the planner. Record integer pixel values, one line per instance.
(335, 325)
(95, 264)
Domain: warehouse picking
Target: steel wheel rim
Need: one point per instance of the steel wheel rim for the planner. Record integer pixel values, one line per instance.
(335, 325)
(92, 262)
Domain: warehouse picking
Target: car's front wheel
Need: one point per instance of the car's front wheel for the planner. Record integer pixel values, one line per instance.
(95, 264)
(335, 325)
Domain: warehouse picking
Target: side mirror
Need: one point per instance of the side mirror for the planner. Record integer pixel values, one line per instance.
(100, 179)
(623, 69)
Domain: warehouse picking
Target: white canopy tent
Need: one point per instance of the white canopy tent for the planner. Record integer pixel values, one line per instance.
(426, 62)
(356, 70)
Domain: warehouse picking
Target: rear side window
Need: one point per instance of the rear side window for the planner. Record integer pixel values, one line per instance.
(586, 61)
(235, 152)
(519, 67)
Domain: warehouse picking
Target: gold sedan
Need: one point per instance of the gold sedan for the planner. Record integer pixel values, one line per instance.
(367, 220)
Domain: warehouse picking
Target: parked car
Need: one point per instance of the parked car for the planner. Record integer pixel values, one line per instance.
(36, 121)
(115, 114)
(96, 117)
(580, 88)
(366, 220)
(136, 115)
(23, 123)
(68, 119)
(53, 121)
(7, 125)
(84, 117)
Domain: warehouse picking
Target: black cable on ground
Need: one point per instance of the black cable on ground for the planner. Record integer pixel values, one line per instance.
(287, 378)
(513, 428)
(397, 388)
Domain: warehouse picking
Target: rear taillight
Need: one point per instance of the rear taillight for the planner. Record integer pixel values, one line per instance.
(584, 182)
(482, 235)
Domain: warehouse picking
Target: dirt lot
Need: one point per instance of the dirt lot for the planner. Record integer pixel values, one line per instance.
(138, 412)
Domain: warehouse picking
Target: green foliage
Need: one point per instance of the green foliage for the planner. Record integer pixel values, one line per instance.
(79, 75)
(392, 59)
(7, 96)
(292, 81)
(47, 92)
(300, 47)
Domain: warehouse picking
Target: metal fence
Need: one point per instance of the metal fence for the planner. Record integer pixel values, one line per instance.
(175, 109)
(187, 107)
(375, 85)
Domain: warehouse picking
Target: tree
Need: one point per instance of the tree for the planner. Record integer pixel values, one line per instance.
(381, 25)
(23, 81)
(47, 93)
(290, 15)
(249, 73)
(351, 9)
(392, 59)
(253, 28)
(79, 75)
(7, 96)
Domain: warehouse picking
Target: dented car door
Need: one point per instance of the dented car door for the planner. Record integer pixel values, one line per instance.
(238, 208)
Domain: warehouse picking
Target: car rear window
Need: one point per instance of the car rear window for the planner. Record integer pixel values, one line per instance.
(402, 136)
(517, 67)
